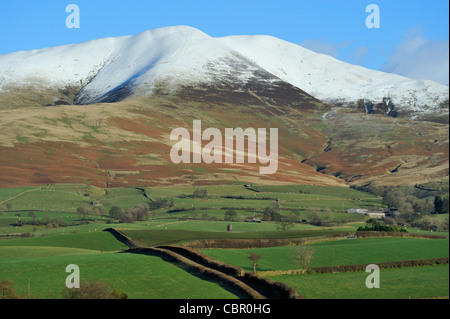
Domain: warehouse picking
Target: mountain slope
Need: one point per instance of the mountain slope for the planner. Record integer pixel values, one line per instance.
(112, 69)
(166, 78)
(340, 83)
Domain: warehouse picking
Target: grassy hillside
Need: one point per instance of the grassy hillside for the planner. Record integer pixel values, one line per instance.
(127, 143)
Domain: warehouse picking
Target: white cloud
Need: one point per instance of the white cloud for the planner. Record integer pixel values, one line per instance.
(420, 58)
(358, 55)
(324, 47)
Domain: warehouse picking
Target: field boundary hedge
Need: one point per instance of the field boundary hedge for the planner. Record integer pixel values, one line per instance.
(249, 285)
(260, 242)
(206, 260)
(377, 234)
(276, 289)
(121, 237)
(274, 242)
(357, 267)
(192, 266)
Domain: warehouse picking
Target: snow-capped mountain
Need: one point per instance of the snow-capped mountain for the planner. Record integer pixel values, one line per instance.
(337, 82)
(110, 69)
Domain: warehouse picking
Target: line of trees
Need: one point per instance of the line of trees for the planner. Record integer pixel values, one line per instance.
(139, 212)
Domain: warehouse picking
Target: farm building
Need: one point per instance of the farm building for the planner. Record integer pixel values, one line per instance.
(362, 211)
(376, 214)
(357, 211)
(253, 220)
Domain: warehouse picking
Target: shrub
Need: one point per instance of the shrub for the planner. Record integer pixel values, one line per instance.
(116, 212)
(374, 225)
(230, 215)
(271, 213)
(7, 290)
(92, 290)
(200, 193)
(161, 203)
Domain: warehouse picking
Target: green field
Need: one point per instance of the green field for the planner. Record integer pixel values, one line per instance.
(160, 237)
(91, 240)
(298, 199)
(341, 252)
(402, 283)
(138, 276)
(34, 256)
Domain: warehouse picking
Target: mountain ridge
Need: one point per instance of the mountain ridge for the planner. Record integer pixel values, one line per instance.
(111, 69)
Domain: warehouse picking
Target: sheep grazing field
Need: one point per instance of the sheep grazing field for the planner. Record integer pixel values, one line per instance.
(44, 229)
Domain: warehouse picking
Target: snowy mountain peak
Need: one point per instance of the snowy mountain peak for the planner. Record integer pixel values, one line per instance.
(110, 69)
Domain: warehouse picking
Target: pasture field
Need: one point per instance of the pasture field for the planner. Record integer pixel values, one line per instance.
(62, 201)
(165, 237)
(89, 240)
(298, 199)
(400, 283)
(138, 276)
(336, 253)
(34, 256)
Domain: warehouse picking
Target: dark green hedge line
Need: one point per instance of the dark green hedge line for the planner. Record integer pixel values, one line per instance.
(121, 237)
(371, 234)
(206, 260)
(258, 243)
(386, 265)
(269, 287)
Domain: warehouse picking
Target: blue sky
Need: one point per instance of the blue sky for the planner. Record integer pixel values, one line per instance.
(412, 39)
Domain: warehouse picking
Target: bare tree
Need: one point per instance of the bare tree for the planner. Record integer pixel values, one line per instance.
(302, 255)
(286, 222)
(255, 258)
(83, 211)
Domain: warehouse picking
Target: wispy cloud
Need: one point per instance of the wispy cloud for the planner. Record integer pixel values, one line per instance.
(358, 55)
(335, 49)
(325, 47)
(420, 58)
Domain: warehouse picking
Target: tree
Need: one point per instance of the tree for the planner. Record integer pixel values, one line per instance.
(97, 211)
(285, 223)
(140, 212)
(160, 203)
(255, 259)
(82, 212)
(271, 213)
(230, 215)
(200, 193)
(441, 205)
(127, 218)
(46, 219)
(302, 255)
(8, 207)
(315, 219)
(115, 212)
